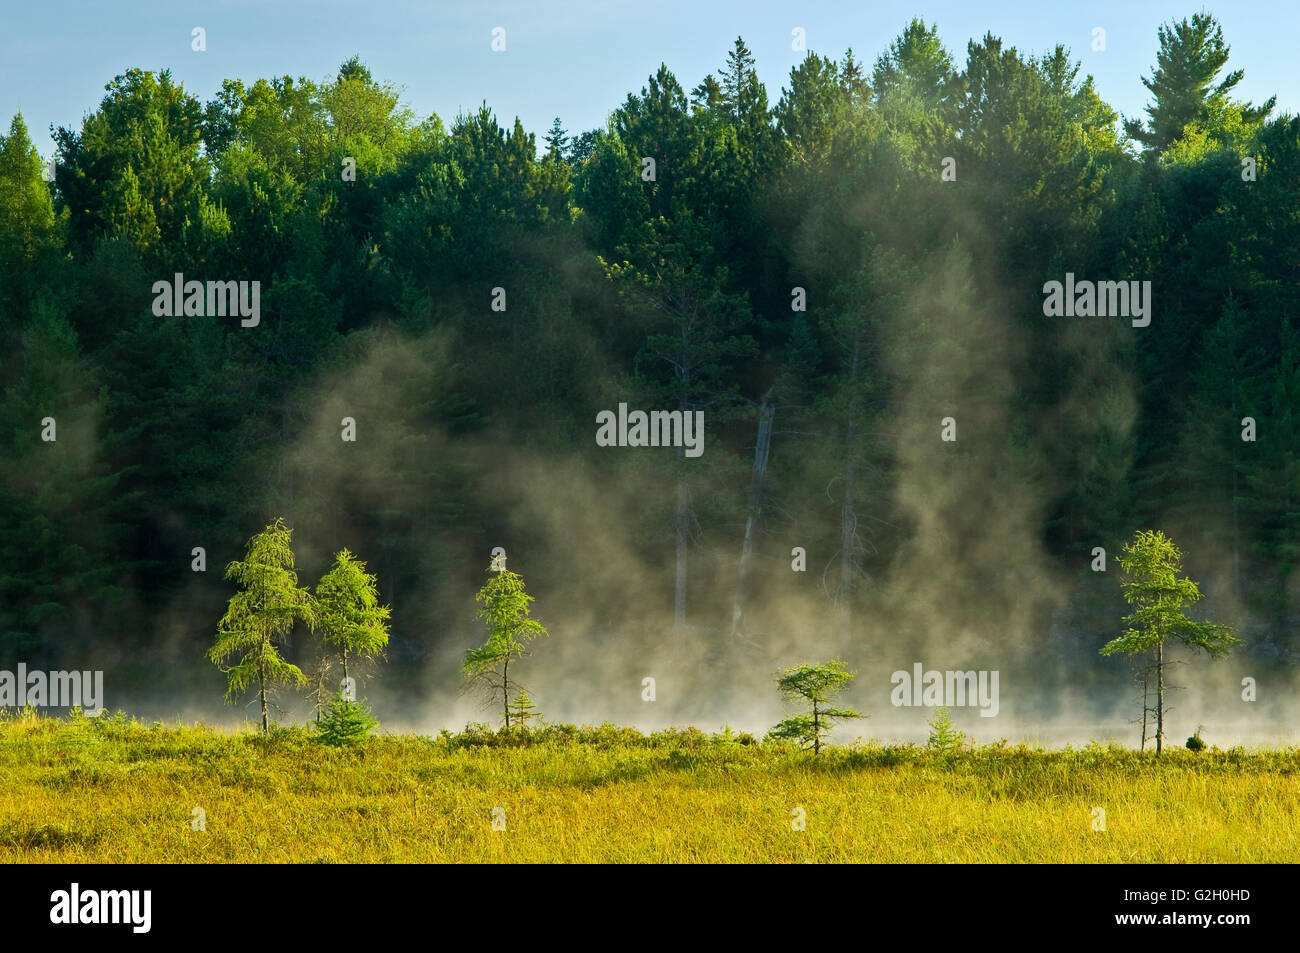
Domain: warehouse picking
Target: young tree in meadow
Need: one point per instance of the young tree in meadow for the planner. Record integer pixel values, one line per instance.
(504, 607)
(523, 709)
(322, 688)
(351, 618)
(259, 617)
(816, 685)
(944, 735)
(345, 722)
(1153, 586)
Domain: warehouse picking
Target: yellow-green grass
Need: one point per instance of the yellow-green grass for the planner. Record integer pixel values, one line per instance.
(112, 790)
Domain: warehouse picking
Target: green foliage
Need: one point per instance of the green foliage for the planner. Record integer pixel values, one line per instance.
(944, 735)
(673, 293)
(135, 169)
(348, 611)
(1192, 54)
(522, 709)
(261, 615)
(1195, 742)
(917, 75)
(345, 722)
(730, 736)
(29, 235)
(677, 778)
(815, 685)
(64, 500)
(504, 606)
(1152, 585)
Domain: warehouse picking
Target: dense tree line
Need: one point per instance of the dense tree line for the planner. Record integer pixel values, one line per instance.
(827, 273)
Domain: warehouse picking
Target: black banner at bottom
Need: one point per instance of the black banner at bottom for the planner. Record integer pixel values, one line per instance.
(143, 904)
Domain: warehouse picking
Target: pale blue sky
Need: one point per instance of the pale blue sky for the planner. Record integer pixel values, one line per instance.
(577, 59)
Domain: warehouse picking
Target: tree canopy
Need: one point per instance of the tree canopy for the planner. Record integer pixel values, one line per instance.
(827, 272)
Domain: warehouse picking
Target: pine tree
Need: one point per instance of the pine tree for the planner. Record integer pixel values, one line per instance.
(556, 141)
(812, 111)
(738, 79)
(708, 95)
(853, 80)
(1211, 487)
(62, 502)
(1271, 490)
(917, 68)
(697, 335)
(135, 169)
(1192, 53)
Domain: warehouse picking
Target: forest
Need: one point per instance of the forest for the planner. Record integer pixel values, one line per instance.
(423, 325)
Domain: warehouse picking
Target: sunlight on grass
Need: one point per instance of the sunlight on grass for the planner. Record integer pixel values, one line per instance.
(113, 790)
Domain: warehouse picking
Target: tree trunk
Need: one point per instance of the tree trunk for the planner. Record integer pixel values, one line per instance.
(848, 528)
(505, 689)
(261, 690)
(1146, 708)
(1160, 694)
(1236, 513)
(848, 519)
(762, 450)
(680, 520)
(817, 733)
(682, 515)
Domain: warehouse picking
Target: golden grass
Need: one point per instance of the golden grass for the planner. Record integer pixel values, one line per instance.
(111, 790)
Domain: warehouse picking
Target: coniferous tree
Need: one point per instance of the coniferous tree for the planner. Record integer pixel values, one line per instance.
(1191, 56)
(504, 606)
(1152, 584)
(261, 616)
(816, 686)
(28, 239)
(556, 141)
(348, 611)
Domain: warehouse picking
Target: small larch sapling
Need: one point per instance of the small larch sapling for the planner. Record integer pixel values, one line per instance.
(816, 685)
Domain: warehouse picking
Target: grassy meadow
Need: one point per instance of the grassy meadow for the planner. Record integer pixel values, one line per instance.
(119, 791)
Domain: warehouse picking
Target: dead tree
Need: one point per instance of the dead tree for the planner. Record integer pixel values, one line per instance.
(754, 512)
